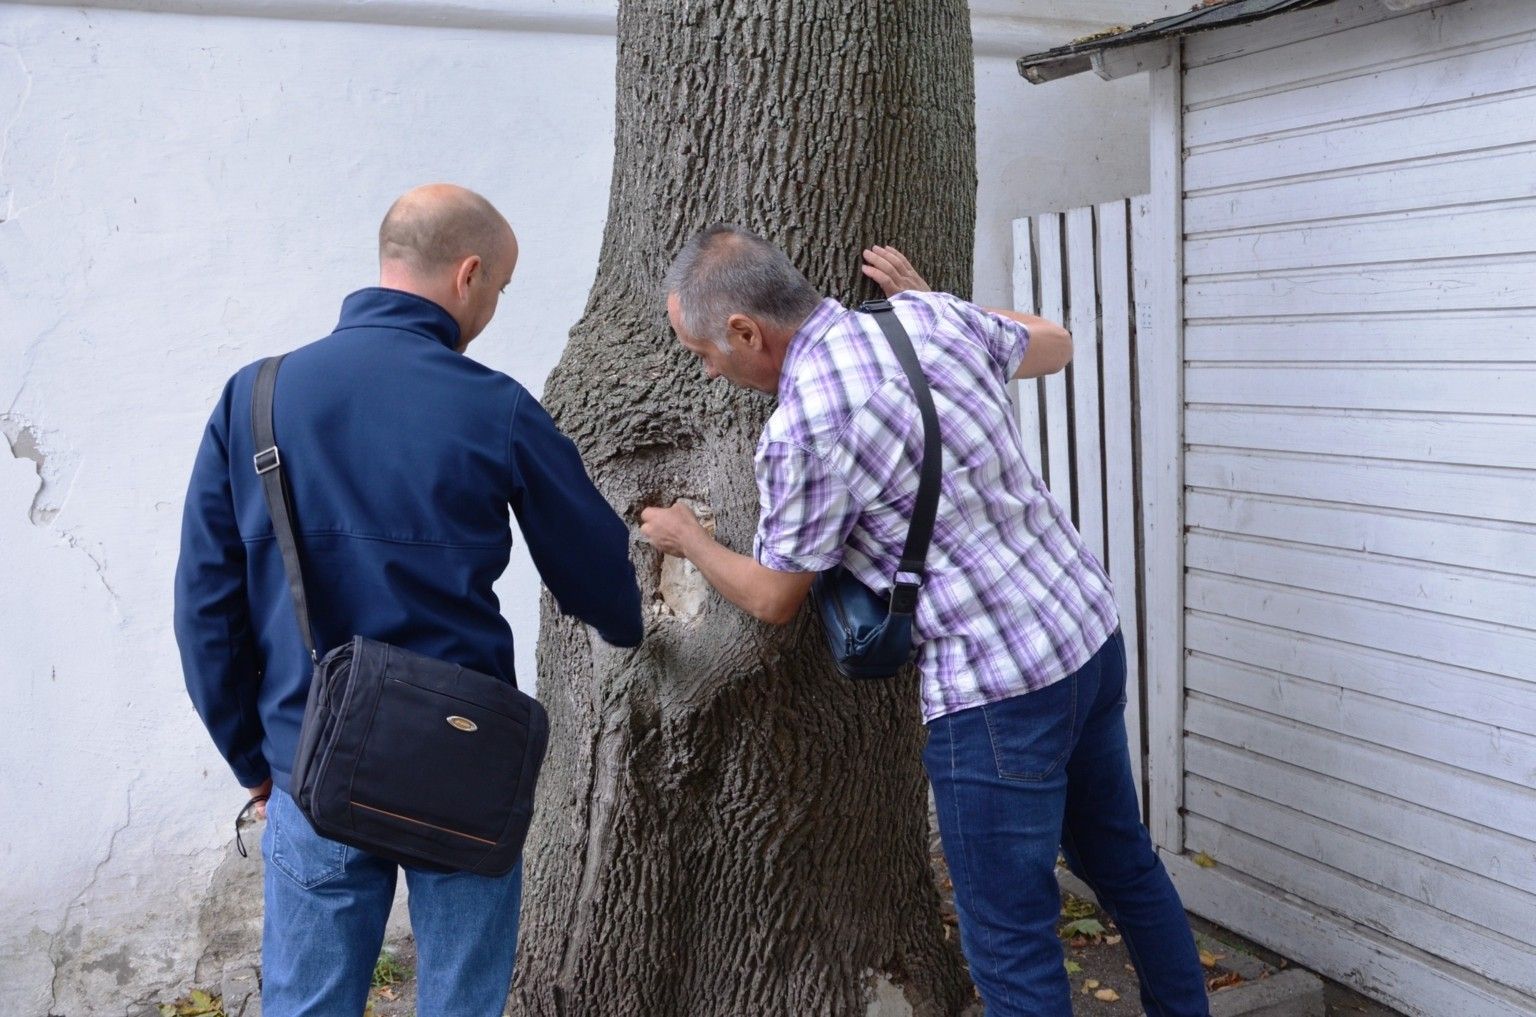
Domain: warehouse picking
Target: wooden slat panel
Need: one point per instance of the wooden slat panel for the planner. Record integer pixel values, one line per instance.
(1411, 981)
(1453, 692)
(1383, 44)
(1447, 77)
(1474, 746)
(1441, 689)
(1087, 455)
(1053, 306)
(1482, 123)
(1415, 437)
(1119, 450)
(1477, 799)
(1204, 48)
(1507, 860)
(1475, 492)
(1445, 888)
(1433, 638)
(1485, 230)
(1158, 246)
(1500, 175)
(1457, 941)
(1459, 285)
(1027, 393)
(1509, 548)
(1435, 337)
(1462, 593)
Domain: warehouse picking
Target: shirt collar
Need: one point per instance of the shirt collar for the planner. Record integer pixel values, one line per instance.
(811, 329)
(377, 307)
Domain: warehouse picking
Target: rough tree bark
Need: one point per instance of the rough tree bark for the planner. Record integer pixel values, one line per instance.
(726, 827)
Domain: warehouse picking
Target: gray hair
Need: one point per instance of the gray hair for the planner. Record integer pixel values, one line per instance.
(725, 270)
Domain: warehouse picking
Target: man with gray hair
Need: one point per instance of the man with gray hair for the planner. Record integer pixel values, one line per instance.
(402, 458)
(1018, 645)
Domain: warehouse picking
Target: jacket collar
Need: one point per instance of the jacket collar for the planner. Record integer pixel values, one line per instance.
(377, 307)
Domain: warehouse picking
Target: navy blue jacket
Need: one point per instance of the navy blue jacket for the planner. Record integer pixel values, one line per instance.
(402, 456)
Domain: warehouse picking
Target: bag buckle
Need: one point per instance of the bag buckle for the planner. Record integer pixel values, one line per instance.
(876, 305)
(267, 460)
(904, 597)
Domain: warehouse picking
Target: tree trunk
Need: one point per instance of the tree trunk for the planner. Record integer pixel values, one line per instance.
(725, 826)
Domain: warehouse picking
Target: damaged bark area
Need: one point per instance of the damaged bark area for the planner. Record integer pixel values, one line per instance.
(725, 826)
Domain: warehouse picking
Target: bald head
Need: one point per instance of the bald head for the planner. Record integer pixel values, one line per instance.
(450, 246)
(433, 228)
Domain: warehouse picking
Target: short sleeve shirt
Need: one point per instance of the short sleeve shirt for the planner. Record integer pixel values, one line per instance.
(1013, 600)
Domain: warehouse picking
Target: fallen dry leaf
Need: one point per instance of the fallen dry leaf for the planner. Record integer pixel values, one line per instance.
(1112, 940)
(1225, 981)
(1092, 983)
(1107, 996)
(1208, 959)
(1204, 860)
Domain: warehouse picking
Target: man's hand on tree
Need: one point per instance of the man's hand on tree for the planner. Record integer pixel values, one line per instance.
(672, 530)
(891, 271)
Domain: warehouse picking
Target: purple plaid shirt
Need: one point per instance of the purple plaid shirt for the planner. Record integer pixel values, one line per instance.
(1013, 599)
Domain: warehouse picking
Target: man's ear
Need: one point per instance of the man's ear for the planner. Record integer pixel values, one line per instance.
(743, 330)
(467, 270)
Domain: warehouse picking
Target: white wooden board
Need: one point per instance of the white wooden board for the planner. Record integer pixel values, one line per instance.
(1083, 322)
(1477, 746)
(1504, 859)
(1027, 393)
(1472, 797)
(1384, 44)
(1485, 336)
(1503, 174)
(1324, 940)
(1468, 439)
(1478, 493)
(1507, 548)
(1444, 888)
(1053, 307)
(1476, 646)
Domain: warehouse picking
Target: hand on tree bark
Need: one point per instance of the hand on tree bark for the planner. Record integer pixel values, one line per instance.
(671, 530)
(891, 271)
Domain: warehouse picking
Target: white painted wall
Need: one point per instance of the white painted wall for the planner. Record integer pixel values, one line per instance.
(183, 193)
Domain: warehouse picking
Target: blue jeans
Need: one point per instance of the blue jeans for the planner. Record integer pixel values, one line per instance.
(326, 905)
(1014, 780)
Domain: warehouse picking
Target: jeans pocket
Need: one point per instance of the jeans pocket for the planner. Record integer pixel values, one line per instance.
(297, 851)
(1032, 733)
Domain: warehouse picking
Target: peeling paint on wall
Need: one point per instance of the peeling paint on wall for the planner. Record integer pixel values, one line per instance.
(55, 471)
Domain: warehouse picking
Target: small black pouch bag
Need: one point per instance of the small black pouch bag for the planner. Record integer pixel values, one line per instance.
(869, 634)
(413, 759)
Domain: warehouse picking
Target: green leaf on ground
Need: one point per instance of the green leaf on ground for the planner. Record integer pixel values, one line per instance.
(1083, 927)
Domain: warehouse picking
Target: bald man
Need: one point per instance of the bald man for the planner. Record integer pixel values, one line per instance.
(402, 458)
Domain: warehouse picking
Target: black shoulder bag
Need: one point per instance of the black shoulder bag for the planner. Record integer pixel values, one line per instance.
(870, 635)
(416, 760)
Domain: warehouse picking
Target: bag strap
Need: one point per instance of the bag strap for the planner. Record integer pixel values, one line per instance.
(269, 467)
(914, 556)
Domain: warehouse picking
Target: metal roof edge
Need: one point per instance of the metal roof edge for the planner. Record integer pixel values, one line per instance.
(1086, 53)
